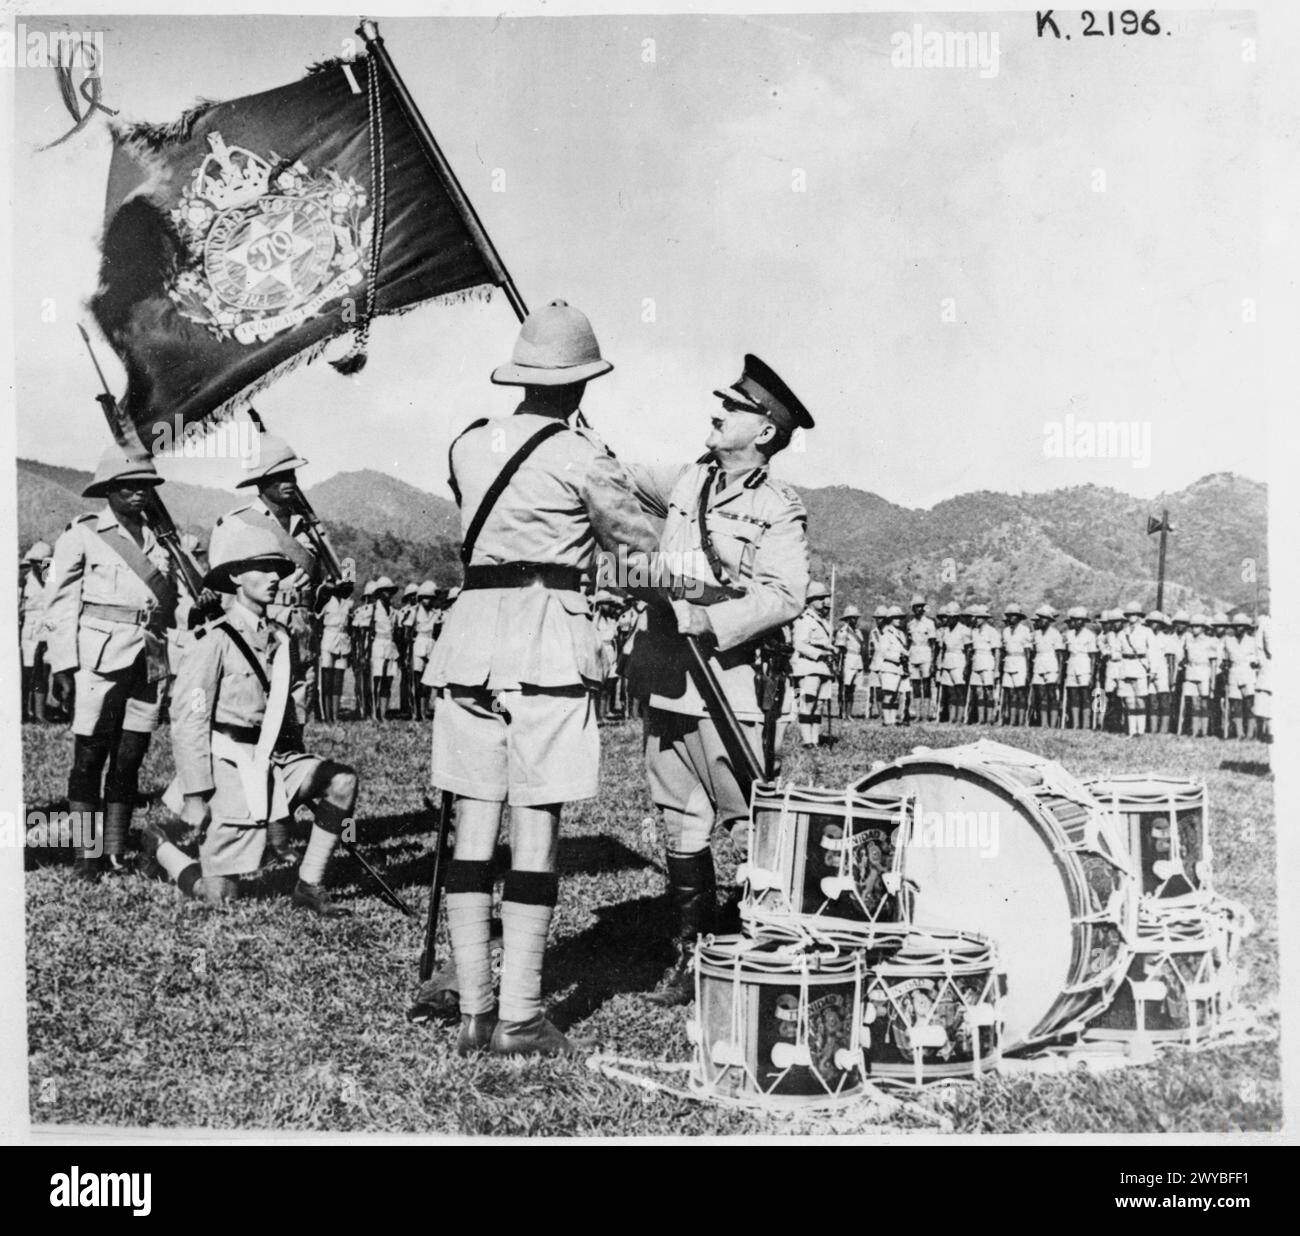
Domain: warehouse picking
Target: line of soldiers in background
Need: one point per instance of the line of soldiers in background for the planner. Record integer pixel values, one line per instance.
(1121, 669)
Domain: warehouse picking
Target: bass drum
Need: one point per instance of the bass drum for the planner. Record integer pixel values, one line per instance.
(1008, 845)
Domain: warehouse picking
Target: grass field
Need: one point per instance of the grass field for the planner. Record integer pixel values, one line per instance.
(145, 1009)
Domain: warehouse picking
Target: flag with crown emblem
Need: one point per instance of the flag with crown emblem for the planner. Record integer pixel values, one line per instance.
(243, 238)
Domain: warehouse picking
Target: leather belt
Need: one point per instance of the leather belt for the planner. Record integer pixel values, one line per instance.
(523, 575)
(118, 613)
(239, 733)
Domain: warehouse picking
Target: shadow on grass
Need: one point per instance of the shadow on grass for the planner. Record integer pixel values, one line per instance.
(1250, 768)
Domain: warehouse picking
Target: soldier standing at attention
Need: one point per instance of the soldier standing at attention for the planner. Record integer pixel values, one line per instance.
(921, 637)
(382, 646)
(891, 656)
(879, 616)
(1080, 666)
(1048, 650)
(985, 644)
(1158, 715)
(850, 642)
(1199, 666)
(744, 535)
(362, 616)
(1017, 640)
(1135, 646)
(335, 617)
(33, 573)
(954, 638)
(1264, 679)
(237, 741)
(1242, 656)
(111, 598)
(810, 667)
(516, 664)
(423, 628)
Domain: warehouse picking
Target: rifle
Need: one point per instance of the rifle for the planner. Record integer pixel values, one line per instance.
(773, 668)
(435, 884)
(155, 513)
(335, 576)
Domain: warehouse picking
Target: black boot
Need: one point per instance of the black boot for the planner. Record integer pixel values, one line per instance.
(117, 823)
(693, 890)
(87, 865)
(475, 1032)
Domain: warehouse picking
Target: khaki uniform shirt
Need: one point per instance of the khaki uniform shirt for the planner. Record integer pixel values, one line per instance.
(813, 646)
(1016, 642)
(852, 642)
(570, 499)
(920, 632)
(758, 528)
(984, 642)
(954, 639)
(216, 686)
(1046, 645)
(87, 571)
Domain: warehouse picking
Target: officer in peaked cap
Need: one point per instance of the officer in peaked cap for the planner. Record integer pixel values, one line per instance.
(516, 665)
(735, 540)
(111, 597)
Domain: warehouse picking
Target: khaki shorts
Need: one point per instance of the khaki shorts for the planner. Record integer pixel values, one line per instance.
(689, 769)
(529, 747)
(107, 703)
(1131, 689)
(951, 677)
(982, 677)
(234, 841)
(335, 660)
(1015, 673)
(813, 689)
(918, 670)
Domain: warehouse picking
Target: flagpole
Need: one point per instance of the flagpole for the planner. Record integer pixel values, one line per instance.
(369, 31)
(1160, 573)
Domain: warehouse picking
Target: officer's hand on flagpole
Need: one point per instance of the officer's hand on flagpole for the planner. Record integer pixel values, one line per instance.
(195, 811)
(692, 619)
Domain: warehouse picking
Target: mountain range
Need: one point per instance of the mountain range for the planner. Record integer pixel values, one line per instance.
(1083, 545)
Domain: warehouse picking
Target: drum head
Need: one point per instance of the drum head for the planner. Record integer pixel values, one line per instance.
(1011, 889)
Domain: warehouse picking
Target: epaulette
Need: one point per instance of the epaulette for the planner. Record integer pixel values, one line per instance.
(451, 471)
(81, 519)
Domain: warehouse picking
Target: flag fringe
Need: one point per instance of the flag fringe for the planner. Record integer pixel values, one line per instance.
(237, 402)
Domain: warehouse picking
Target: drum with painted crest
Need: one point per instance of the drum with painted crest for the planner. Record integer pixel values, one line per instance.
(1168, 836)
(1185, 976)
(1007, 844)
(777, 1023)
(934, 1008)
(822, 866)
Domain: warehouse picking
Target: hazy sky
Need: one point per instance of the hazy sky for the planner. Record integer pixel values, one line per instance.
(1087, 219)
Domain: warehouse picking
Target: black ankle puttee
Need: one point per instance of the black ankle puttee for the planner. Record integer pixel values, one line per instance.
(468, 877)
(531, 888)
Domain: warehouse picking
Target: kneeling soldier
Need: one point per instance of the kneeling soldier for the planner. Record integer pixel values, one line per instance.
(237, 740)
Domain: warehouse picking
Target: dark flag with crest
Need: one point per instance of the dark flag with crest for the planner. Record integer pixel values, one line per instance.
(241, 239)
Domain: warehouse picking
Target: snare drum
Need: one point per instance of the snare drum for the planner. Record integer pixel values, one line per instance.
(1182, 980)
(822, 866)
(1007, 844)
(934, 1008)
(1168, 839)
(777, 1024)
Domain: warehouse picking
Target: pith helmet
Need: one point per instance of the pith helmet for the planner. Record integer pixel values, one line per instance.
(39, 552)
(918, 599)
(271, 456)
(409, 591)
(1221, 620)
(1241, 620)
(556, 347)
(949, 609)
(1077, 611)
(1045, 611)
(427, 589)
(115, 468)
(1014, 607)
(894, 611)
(240, 546)
(881, 611)
(1201, 620)
(1133, 608)
(384, 584)
(760, 389)
(817, 592)
(978, 610)
(851, 611)
(1156, 616)
(1182, 616)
